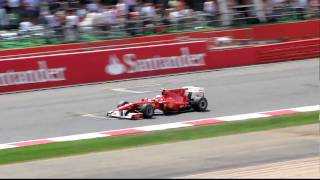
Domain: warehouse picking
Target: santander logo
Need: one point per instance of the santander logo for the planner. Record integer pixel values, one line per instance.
(115, 67)
(131, 64)
(41, 75)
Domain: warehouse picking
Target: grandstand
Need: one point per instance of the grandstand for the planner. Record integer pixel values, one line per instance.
(30, 23)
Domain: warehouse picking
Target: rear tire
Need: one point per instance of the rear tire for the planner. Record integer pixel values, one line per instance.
(200, 104)
(147, 110)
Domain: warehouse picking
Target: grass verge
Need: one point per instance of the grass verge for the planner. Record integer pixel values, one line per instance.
(157, 137)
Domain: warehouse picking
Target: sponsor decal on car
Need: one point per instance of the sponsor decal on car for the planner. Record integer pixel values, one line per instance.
(131, 64)
(41, 75)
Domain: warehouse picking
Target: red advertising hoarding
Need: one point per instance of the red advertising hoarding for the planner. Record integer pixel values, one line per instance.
(47, 71)
(103, 65)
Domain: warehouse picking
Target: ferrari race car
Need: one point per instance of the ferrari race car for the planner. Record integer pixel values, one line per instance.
(171, 100)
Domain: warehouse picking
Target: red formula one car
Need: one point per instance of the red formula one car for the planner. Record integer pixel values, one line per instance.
(171, 100)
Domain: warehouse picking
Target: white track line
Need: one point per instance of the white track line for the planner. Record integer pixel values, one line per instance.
(242, 117)
(307, 108)
(129, 91)
(6, 146)
(77, 137)
(162, 126)
(93, 116)
(138, 86)
(146, 85)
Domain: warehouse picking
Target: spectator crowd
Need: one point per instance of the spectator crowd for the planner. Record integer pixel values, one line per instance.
(68, 17)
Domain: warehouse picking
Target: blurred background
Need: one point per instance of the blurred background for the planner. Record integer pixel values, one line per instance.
(28, 23)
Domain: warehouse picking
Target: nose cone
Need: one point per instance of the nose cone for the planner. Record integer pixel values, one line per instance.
(125, 107)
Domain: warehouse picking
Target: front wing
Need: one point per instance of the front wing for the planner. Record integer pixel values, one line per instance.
(125, 115)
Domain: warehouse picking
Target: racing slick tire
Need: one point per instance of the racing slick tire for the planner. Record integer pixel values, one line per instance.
(121, 103)
(147, 110)
(200, 104)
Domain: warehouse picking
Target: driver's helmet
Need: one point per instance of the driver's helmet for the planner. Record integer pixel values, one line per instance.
(158, 96)
(163, 92)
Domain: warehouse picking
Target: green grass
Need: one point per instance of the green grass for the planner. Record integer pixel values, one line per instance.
(157, 137)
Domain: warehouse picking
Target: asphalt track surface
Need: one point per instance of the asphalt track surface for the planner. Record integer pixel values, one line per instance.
(81, 109)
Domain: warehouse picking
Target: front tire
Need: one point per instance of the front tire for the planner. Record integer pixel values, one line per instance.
(147, 110)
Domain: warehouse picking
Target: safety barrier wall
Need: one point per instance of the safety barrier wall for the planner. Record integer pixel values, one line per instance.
(102, 65)
(27, 73)
(288, 51)
(289, 31)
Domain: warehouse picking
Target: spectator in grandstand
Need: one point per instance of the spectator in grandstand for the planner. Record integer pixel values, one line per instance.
(13, 13)
(61, 19)
(314, 9)
(210, 8)
(50, 21)
(172, 4)
(132, 23)
(42, 18)
(147, 15)
(174, 16)
(164, 4)
(14, 6)
(88, 21)
(98, 21)
(3, 15)
(31, 8)
(300, 7)
(53, 5)
(93, 6)
(14, 20)
(242, 11)
(112, 16)
(274, 9)
(71, 25)
(3, 4)
(63, 5)
(25, 25)
(181, 4)
(131, 5)
(121, 10)
(157, 20)
(268, 6)
(4, 22)
(253, 14)
(186, 17)
(43, 7)
(104, 20)
(73, 4)
(81, 12)
(179, 14)
(165, 18)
